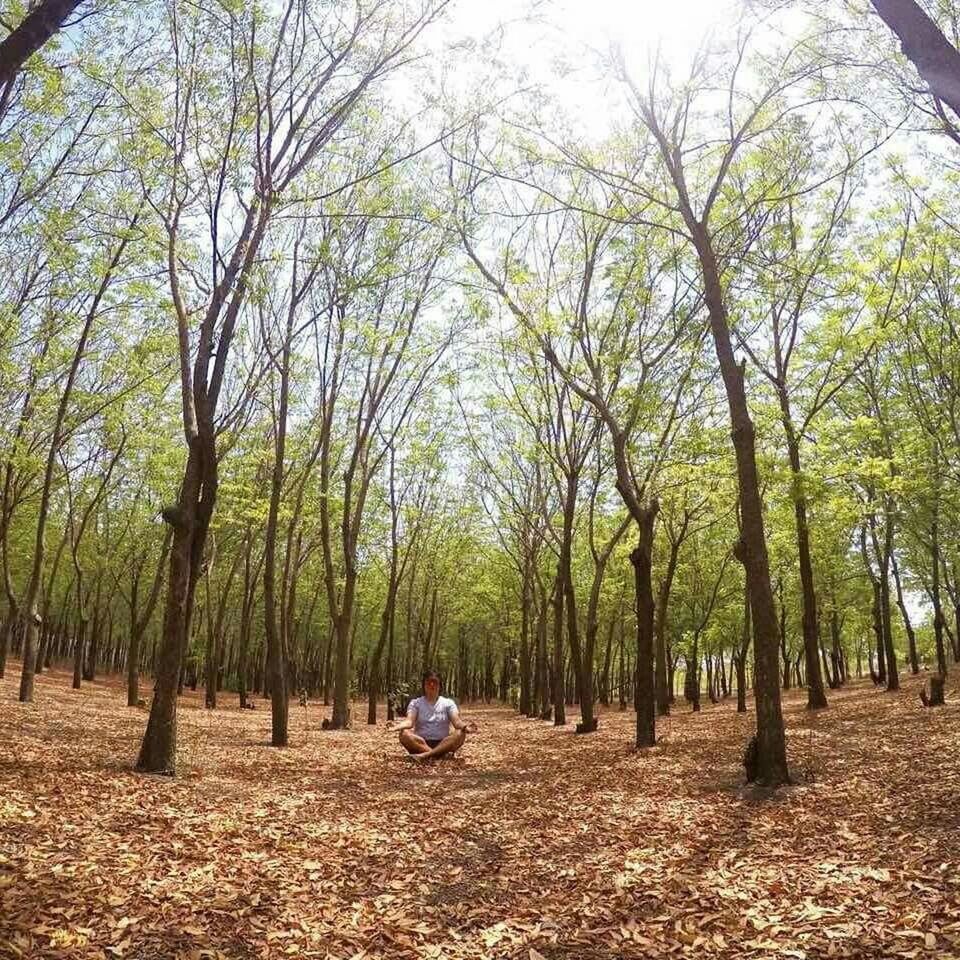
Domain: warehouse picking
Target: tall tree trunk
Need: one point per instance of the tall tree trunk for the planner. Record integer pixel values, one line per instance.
(525, 599)
(782, 633)
(139, 621)
(581, 663)
(275, 635)
(544, 709)
(93, 647)
(190, 520)
(390, 649)
(605, 676)
(341, 668)
(816, 695)
(246, 618)
(663, 598)
(80, 643)
(771, 746)
(5, 633)
(386, 619)
(741, 659)
(883, 554)
(938, 618)
(556, 672)
(907, 625)
(623, 673)
(836, 652)
(641, 558)
(875, 611)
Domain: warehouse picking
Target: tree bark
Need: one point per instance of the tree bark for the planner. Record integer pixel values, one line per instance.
(741, 658)
(663, 597)
(189, 519)
(883, 554)
(816, 695)
(525, 666)
(771, 761)
(36, 28)
(924, 44)
(543, 683)
(938, 618)
(641, 558)
(556, 671)
(907, 625)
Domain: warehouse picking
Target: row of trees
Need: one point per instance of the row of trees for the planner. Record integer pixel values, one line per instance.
(307, 391)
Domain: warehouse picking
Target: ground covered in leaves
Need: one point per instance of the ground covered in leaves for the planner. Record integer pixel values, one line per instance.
(535, 844)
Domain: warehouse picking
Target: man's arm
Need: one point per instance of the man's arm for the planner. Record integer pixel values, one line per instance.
(457, 722)
(409, 722)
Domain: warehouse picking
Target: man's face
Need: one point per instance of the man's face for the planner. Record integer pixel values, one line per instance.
(431, 686)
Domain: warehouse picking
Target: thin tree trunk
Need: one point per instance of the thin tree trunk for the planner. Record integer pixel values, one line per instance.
(556, 672)
(938, 618)
(745, 635)
(907, 625)
(33, 588)
(543, 683)
(641, 558)
(663, 692)
(816, 695)
(139, 621)
(525, 598)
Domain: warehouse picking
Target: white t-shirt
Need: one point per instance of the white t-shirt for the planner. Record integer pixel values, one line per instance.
(432, 720)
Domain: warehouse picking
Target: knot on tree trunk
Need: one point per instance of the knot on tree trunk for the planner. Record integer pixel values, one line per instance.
(172, 515)
(740, 550)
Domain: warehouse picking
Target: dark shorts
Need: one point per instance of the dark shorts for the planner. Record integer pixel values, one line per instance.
(430, 743)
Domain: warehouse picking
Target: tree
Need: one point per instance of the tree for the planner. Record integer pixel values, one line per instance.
(294, 81)
(44, 20)
(95, 301)
(612, 358)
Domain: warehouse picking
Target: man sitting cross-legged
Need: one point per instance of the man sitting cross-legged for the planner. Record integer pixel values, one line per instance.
(425, 731)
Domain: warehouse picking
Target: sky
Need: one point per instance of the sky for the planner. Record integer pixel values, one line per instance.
(561, 44)
(636, 25)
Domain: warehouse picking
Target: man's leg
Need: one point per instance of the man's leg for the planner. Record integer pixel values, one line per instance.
(449, 744)
(412, 743)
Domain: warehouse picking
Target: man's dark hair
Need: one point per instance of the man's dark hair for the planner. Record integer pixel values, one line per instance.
(429, 675)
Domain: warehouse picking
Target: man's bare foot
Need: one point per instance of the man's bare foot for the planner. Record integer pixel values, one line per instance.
(420, 757)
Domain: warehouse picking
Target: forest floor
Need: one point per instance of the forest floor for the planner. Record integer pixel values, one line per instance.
(536, 843)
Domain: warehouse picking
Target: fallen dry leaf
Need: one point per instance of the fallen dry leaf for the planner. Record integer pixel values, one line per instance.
(534, 845)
